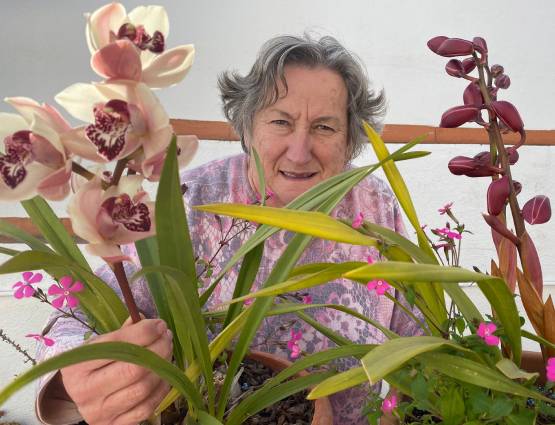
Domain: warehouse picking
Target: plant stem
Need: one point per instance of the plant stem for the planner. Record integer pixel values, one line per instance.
(119, 271)
(18, 348)
(118, 171)
(82, 171)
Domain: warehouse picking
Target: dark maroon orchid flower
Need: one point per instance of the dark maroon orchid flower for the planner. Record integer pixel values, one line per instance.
(537, 210)
(498, 192)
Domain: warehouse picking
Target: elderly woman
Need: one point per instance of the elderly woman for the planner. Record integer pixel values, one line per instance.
(301, 107)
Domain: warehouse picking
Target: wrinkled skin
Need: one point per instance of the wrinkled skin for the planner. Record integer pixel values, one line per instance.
(110, 392)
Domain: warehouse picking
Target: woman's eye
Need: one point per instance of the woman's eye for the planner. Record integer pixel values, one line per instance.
(280, 122)
(324, 127)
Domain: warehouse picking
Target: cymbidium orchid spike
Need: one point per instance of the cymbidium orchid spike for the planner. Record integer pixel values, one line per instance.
(480, 45)
(32, 158)
(502, 81)
(145, 29)
(500, 228)
(112, 217)
(472, 95)
(458, 115)
(123, 116)
(537, 210)
(508, 114)
(435, 42)
(455, 47)
(468, 65)
(498, 192)
(454, 67)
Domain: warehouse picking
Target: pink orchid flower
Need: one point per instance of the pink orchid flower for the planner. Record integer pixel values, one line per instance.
(293, 344)
(358, 220)
(389, 404)
(33, 160)
(108, 218)
(550, 369)
(64, 291)
(445, 208)
(49, 342)
(449, 233)
(485, 331)
(133, 46)
(380, 286)
(125, 118)
(24, 289)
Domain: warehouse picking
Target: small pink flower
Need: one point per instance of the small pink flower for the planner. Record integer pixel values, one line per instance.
(369, 260)
(45, 340)
(24, 289)
(389, 404)
(66, 288)
(295, 351)
(449, 233)
(248, 301)
(307, 299)
(293, 345)
(550, 369)
(380, 286)
(485, 331)
(358, 220)
(446, 208)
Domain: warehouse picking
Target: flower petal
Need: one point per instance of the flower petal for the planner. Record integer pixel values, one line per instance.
(55, 290)
(55, 186)
(537, 210)
(170, 67)
(10, 124)
(77, 286)
(100, 22)
(78, 100)
(66, 282)
(119, 60)
(82, 210)
(58, 302)
(30, 109)
(153, 18)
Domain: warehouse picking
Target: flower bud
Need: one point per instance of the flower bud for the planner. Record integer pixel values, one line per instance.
(537, 210)
(496, 70)
(479, 166)
(458, 115)
(498, 192)
(455, 47)
(454, 68)
(480, 45)
(508, 114)
(517, 187)
(435, 42)
(512, 154)
(472, 95)
(468, 64)
(502, 81)
(500, 228)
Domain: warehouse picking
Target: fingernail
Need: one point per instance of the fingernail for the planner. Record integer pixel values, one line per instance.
(169, 334)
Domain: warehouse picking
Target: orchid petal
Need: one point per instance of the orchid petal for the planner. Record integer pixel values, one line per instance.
(152, 18)
(110, 253)
(79, 144)
(55, 187)
(118, 60)
(78, 100)
(101, 22)
(28, 186)
(82, 210)
(10, 124)
(29, 109)
(169, 67)
(537, 210)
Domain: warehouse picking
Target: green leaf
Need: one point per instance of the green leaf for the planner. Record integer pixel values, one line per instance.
(121, 351)
(53, 230)
(451, 406)
(475, 373)
(393, 354)
(8, 251)
(339, 382)
(538, 339)
(14, 232)
(500, 407)
(512, 371)
(260, 172)
(204, 418)
(304, 222)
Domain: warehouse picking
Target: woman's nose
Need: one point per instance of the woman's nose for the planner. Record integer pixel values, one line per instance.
(299, 149)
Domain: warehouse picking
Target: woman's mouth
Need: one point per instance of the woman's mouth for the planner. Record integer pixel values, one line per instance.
(297, 175)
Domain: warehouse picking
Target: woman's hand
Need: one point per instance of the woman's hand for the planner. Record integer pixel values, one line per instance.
(109, 392)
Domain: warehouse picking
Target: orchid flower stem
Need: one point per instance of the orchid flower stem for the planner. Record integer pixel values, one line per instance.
(82, 171)
(126, 291)
(118, 171)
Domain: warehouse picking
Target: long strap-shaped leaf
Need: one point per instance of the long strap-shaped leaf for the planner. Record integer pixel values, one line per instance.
(466, 370)
(98, 299)
(121, 351)
(8, 229)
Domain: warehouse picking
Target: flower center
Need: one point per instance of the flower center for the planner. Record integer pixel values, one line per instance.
(111, 122)
(134, 216)
(141, 39)
(18, 154)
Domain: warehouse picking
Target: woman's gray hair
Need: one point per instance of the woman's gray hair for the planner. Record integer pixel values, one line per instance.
(243, 96)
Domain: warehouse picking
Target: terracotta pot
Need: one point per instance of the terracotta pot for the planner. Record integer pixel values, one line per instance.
(323, 413)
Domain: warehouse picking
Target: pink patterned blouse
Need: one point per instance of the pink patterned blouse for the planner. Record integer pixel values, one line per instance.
(226, 181)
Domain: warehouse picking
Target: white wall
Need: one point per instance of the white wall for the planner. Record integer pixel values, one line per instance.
(43, 51)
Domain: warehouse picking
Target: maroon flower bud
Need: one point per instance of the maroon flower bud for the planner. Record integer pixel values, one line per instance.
(435, 42)
(479, 166)
(508, 114)
(454, 68)
(472, 95)
(517, 187)
(480, 45)
(537, 210)
(455, 47)
(500, 228)
(468, 64)
(496, 70)
(458, 115)
(498, 192)
(512, 154)
(502, 81)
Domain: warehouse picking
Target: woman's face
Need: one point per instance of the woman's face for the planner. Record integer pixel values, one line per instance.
(302, 138)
